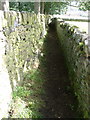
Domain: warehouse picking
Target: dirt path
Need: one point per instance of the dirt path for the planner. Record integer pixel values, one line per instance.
(52, 72)
(59, 101)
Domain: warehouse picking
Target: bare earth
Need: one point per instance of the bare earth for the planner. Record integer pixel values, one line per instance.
(59, 101)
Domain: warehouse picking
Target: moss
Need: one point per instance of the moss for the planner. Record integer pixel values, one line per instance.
(74, 51)
(24, 45)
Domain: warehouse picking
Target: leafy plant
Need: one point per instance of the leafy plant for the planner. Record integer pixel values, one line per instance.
(26, 100)
(20, 92)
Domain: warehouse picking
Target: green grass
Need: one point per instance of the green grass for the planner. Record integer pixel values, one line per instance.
(26, 98)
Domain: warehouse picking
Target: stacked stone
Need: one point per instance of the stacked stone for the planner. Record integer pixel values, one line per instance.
(21, 40)
(76, 48)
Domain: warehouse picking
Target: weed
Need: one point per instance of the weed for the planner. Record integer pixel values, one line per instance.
(26, 98)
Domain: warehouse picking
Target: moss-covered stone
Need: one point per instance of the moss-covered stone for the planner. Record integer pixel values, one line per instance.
(23, 44)
(21, 36)
(73, 46)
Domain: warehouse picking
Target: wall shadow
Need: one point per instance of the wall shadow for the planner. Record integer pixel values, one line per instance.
(60, 101)
(49, 90)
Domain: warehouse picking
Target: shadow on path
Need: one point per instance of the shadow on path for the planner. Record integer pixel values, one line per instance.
(59, 101)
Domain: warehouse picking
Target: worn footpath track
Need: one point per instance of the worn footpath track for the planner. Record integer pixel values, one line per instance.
(59, 100)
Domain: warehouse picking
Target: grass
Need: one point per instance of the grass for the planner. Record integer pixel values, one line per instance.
(26, 98)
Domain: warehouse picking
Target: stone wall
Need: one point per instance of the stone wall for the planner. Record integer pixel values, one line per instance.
(21, 40)
(75, 46)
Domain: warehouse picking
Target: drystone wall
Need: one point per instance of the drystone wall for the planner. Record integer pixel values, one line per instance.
(21, 40)
(76, 49)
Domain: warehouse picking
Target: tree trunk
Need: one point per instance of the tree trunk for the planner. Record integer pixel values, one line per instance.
(37, 7)
(4, 5)
(42, 7)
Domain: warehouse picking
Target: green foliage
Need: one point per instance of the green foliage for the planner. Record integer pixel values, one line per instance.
(20, 92)
(55, 7)
(26, 97)
(22, 6)
(86, 114)
(50, 7)
(84, 6)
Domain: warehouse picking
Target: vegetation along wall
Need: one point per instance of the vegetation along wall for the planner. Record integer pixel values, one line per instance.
(21, 40)
(75, 46)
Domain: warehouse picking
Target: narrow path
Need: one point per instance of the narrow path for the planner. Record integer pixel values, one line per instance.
(59, 101)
